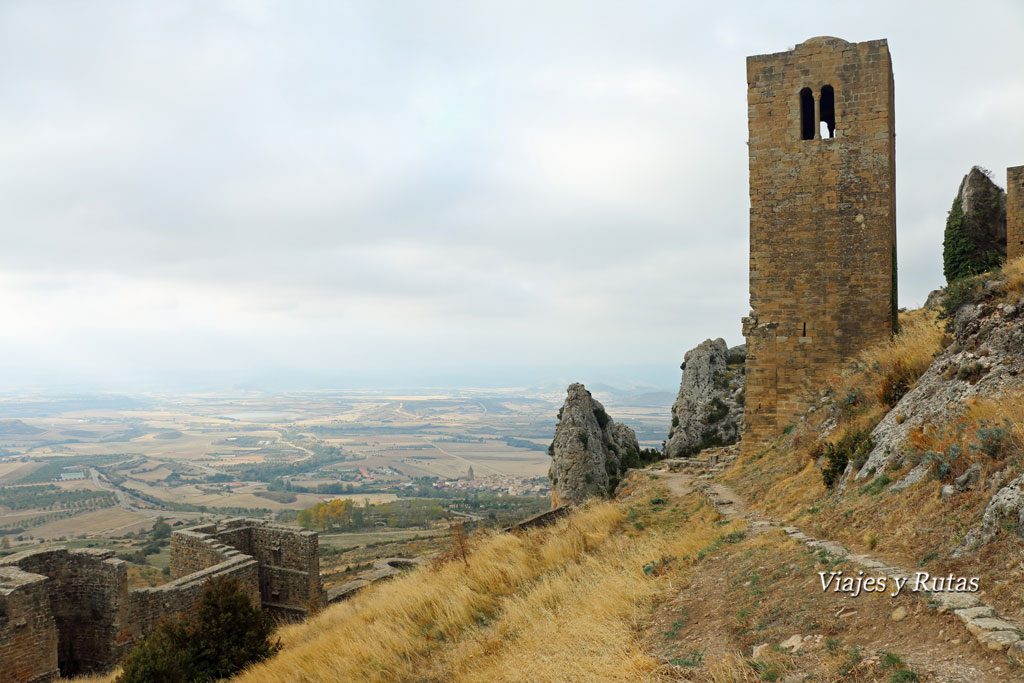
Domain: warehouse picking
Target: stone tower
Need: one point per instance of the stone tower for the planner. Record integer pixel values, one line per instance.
(1014, 212)
(822, 221)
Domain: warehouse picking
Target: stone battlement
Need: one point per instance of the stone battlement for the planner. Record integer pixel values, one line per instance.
(70, 611)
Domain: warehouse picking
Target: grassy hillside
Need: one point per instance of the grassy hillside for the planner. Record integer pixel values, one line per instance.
(552, 604)
(657, 585)
(913, 526)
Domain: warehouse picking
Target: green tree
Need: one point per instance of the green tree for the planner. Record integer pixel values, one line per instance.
(961, 258)
(161, 529)
(228, 634)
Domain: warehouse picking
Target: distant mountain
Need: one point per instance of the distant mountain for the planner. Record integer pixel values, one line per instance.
(18, 428)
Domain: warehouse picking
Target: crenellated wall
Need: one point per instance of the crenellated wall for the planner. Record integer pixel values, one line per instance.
(147, 606)
(70, 611)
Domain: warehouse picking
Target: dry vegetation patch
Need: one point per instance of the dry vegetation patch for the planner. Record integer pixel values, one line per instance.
(911, 527)
(562, 603)
(784, 477)
(762, 591)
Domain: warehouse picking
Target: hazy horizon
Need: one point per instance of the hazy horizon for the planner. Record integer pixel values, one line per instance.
(225, 194)
(622, 378)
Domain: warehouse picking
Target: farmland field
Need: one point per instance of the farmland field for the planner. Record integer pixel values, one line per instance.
(125, 462)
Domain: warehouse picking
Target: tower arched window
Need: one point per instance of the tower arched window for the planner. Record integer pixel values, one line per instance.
(828, 112)
(807, 122)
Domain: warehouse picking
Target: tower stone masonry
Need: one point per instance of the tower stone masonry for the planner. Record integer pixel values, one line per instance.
(822, 221)
(1014, 212)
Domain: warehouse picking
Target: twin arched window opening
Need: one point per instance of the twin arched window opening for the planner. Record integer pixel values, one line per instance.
(818, 119)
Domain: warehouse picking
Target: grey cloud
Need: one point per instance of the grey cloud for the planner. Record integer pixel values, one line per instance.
(492, 180)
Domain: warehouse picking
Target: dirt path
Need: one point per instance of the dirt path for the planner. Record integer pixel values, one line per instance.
(723, 498)
(765, 591)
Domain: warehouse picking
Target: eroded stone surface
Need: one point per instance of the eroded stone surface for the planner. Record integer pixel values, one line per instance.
(1007, 504)
(588, 448)
(708, 411)
(984, 360)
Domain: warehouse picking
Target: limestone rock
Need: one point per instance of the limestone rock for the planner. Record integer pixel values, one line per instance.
(898, 614)
(792, 643)
(1008, 504)
(984, 205)
(947, 492)
(935, 298)
(588, 448)
(708, 410)
(983, 360)
(975, 238)
(969, 479)
(759, 650)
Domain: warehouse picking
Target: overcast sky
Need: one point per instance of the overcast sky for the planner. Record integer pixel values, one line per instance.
(375, 193)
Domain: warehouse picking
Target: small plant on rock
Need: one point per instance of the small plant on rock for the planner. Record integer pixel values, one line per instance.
(852, 449)
(993, 441)
(944, 463)
(971, 372)
(717, 410)
(895, 384)
(963, 291)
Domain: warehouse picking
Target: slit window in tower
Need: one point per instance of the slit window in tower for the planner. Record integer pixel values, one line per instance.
(806, 114)
(828, 111)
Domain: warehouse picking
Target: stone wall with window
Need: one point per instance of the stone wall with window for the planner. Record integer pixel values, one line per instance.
(822, 221)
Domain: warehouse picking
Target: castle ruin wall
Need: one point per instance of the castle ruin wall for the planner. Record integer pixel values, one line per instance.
(70, 611)
(148, 606)
(87, 598)
(28, 631)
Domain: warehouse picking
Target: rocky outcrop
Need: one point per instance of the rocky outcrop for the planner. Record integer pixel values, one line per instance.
(589, 449)
(934, 300)
(1006, 507)
(709, 408)
(983, 360)
(975, 236)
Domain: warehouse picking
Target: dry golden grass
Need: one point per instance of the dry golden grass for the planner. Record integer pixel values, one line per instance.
(558, 604)
(563, 603)
(916, 345)
(1013, 274)
(783, 479)
(784, 482)
(1004, 410)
